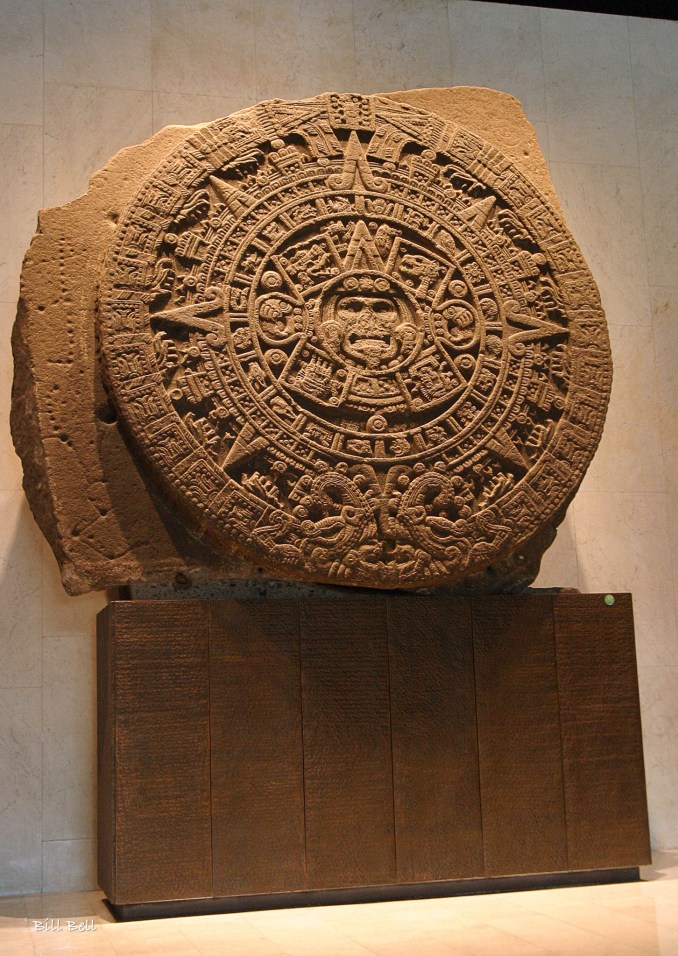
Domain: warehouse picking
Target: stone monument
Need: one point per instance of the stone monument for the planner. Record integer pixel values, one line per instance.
(346, 340)
(342, 341)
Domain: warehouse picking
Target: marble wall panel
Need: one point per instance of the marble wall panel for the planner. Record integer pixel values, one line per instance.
(665, 330)
(204, 46)
(20, 550)
(20, 198)
(84, 127)
(665, 326)
(659, 182)
(95, 43)
(304, 47)
(69, 866)
(653, 61)
(659, 708)
(602, 92)
(21, 590)
(589, 91)
(603, 145)
(21, 46)
(658, 149)
(20, 791)
(69, 738)
(497, 45)
(401, 45)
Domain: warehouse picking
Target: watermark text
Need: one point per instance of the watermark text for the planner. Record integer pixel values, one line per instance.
(53, 925)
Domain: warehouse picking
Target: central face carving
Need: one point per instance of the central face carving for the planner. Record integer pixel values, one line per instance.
(368, 324)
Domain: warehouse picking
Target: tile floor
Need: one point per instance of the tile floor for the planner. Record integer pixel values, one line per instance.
(620, 920)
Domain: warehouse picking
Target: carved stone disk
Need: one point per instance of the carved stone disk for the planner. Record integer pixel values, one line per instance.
(352, 340)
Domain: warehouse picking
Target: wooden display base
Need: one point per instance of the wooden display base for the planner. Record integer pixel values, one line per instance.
(126, 912)
(364, 744)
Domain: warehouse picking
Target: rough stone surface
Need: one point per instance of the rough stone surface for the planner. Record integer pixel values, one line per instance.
(345, 340)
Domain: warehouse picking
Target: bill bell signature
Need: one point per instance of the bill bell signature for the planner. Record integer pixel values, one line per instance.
(66, 925)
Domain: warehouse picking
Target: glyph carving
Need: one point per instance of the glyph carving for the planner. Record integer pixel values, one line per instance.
(350, 338)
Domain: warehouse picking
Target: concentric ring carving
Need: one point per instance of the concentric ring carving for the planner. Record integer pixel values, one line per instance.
(352, 341)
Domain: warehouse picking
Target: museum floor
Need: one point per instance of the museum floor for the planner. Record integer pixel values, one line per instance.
(628, 918)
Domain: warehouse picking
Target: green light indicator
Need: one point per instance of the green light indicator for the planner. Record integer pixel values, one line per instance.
(609, 599)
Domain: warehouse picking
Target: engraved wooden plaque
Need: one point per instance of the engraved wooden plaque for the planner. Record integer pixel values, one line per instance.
(369, 741)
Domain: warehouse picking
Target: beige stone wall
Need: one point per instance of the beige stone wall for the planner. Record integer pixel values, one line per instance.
(81, 78)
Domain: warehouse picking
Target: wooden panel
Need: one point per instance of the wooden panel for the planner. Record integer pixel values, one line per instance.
(521, 780)
(303, 731)
(105, 753)
(602, 743)
(347, 743)
(435, 753)
(162, 774)
(257, 757)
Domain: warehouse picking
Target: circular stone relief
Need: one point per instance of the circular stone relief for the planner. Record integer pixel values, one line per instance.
(352, 341)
